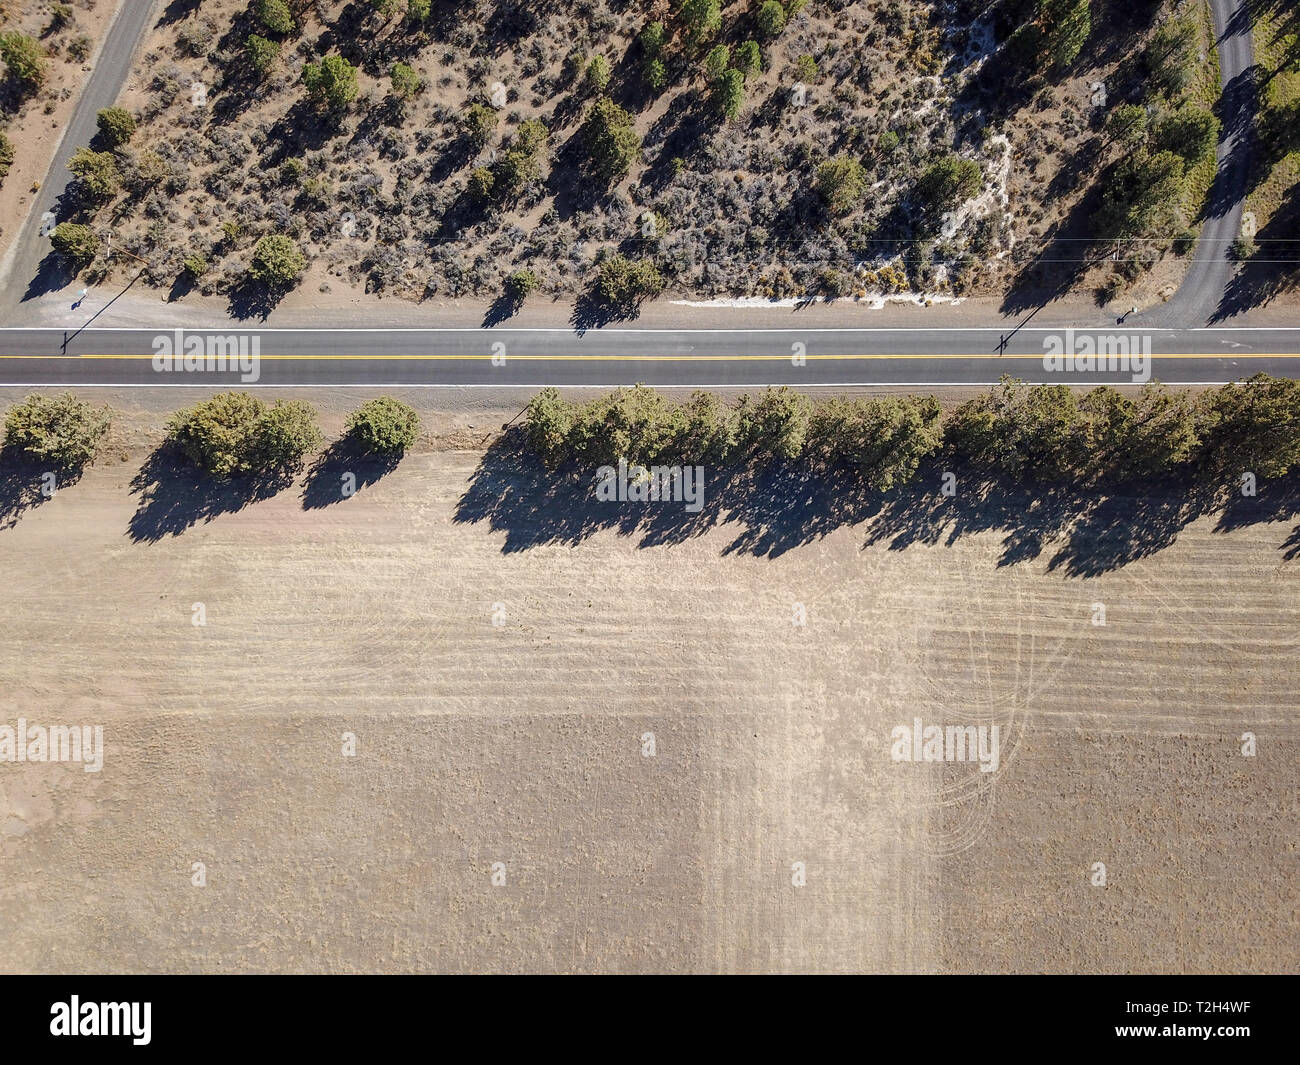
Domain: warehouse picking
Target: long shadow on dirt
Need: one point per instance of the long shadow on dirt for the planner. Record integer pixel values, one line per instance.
(25, 484)
(340, 471)
(1083, 529)
(176, 495)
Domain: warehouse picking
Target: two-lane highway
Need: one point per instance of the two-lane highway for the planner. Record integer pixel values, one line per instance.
(503, 358)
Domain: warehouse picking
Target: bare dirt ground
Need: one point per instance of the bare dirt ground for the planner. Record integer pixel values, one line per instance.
(521, 743)
(35, 125)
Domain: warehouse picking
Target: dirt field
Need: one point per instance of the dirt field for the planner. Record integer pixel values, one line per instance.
(522, 743)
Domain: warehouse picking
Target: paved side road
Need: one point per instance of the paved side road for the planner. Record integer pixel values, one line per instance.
(1200, 297)
(111, 69)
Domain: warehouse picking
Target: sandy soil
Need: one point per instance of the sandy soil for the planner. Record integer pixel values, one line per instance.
(309, 309)
(38, 127)
(521, 743)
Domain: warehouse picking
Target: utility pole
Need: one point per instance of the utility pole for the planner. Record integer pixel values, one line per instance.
(108, 250)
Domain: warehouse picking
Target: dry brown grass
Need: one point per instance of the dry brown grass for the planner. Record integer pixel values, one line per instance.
(520, 743)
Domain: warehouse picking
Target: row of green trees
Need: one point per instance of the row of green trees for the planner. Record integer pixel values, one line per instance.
(1167, 140)
(1017, 431)
(232, 434)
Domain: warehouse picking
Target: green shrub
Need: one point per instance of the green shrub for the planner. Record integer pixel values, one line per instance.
(947, 182)
(1142, 438)
(629, 423)
(277, 262)
(6, 156)
(1020, 430)
(1189, 132)
(749, 60)
(520, 285)
(116, 125)
(75, 242)
(622, 281)
(1068, 24)
(771, 19)
(776, 426)
(841, 182)
(406, 82)
(384, 426)
(97, 175)
(62, 430)
(611, 142)
(1243, 248)
(235, 434)
(729, 94)
(1139, 194)
(1054, 38)
(275, 16)
(655, 74)
(332, 82)
(25, 59)
(481, 183)
(884, 440)
(652, 39)
(1128, 123)
(702, 18)
(262, 53)
(479, 122)
(1253, 427)
(548, 423)
(716, 61)
(598, 73)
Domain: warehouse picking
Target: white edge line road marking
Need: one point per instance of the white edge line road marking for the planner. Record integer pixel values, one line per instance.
(534, 387)
(235, 327)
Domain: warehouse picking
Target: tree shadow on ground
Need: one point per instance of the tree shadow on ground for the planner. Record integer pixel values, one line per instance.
(1068, 251)
(182, 285)
(1276, 501)
(454, 156)
(305, 128)
(253, 299)
(502, 309)
(22, 480)
(177, 11)
(1275, 268)
(590, 311)
(175, 495)
(53, 274)
(1093, 527)
(1083, 529)
(325, 482)
(1235, 175)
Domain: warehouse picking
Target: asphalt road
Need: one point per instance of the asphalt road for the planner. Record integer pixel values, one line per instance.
(667, 357)
(1201, 296)
(504, 358)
